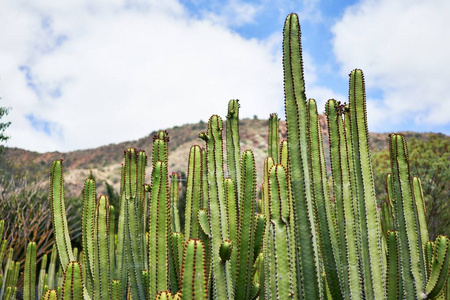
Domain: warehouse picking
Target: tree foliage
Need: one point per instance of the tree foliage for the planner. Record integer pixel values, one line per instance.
(3, 126)
(430, 161)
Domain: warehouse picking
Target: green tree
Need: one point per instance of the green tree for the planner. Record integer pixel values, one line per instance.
(3, 126)
(430, 161)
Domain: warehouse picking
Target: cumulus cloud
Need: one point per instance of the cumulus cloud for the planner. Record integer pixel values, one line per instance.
(402, 46)
(84, 74)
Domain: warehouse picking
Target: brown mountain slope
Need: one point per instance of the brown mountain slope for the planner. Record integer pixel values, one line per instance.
(105, 161)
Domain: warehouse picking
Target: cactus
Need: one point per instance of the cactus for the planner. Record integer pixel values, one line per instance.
(294, 243)
(30, 272)
(308, 263)
(194, 278)
(73, 282)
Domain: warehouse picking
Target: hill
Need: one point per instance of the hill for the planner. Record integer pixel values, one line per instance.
(104, 162)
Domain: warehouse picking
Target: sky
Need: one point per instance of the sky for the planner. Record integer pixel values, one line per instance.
(79, 74)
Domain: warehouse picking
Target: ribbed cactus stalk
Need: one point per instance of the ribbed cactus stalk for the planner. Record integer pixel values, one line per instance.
(58, 207)
(30, 272)
(72, 288)
(345, 211)
(175, 179)
(88, 219)
(374, 268)
(134, 193)
(246, 230)
(221, 270)
(160, 231)
(326, 225)
(280, 279)
(193, 193)
(50, 295)
(194, 277)
(274, 137)
(102, 255)
(308, 263)
(233, 146)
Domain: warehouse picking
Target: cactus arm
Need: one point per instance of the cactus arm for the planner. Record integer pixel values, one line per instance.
(42, 276)
(413, 266)
(260, 227)
(230, 194)
(233, 147)
(281, 260)
(135, 162)
(101, 251)
(174, 194)
(112, 246)
(59, 218)
(421, 211)
(50, 295)
(346, 212)
(73, 282)
(52, 268)
(115, 290)
(327, 229)
(193, 193)
(30, 272)
(89, 199)
(159, 230)
(160, 150)
(176, 258)
(370, 226)
(274, 138)
(121, 268)
(222, 278)
(164, 295)
(334, 133)
(439, 268)
(393, 274)
(246, 233)
(295, 106)
(194, 278)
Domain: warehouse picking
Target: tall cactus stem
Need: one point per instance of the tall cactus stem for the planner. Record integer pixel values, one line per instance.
(233, 147)
(295, 106)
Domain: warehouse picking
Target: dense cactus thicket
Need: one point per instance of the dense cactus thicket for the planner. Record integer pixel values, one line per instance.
(311, 234)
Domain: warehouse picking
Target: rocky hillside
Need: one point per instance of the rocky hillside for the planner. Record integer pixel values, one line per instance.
(104, 162)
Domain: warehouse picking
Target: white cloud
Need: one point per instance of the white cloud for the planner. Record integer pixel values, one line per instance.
(98, 73)
(402, 47)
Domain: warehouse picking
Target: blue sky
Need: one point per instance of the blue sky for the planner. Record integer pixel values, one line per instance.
(82, 74)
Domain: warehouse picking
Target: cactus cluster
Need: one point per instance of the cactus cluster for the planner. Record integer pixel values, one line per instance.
(303, 239)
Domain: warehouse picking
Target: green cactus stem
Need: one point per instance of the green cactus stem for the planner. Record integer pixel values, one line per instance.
(346, 213)
(233, 147)
(327, 228)
(274, 138)
(221, 271)
(280, 279)
(193, 193)
(411, 256)
(175, 179)
(296, 123)
(102, 258)
(30, 272)
(59, 218)
(194, 277)
(50, 295)
(246, 230)
(371, 239)
(134, 194)
(87, 223)
(393, 267)
(72, 288)
(159, 228)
